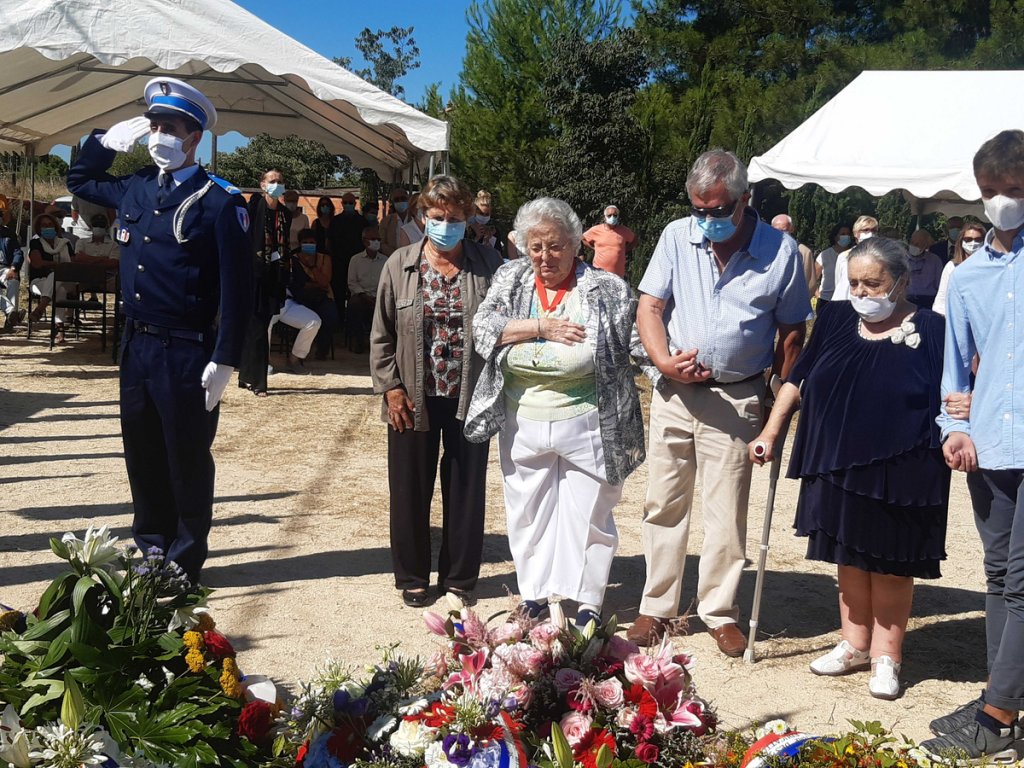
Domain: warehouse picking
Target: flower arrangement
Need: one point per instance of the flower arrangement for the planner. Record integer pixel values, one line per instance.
(120, 665)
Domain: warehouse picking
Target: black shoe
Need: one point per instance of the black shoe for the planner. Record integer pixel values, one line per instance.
(974, 744)
(956, 719)
(531, 609)
(416, 598)
(466, 597)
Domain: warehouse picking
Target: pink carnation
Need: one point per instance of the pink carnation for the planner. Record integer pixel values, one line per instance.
(575, 725)
(522, 661)
(608, 693)
(544, 636)
(509, 632)
(567, 679)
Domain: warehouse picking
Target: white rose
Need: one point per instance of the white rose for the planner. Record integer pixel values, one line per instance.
(898, 337)
(411, 738)
(913, 340)
(907, 326)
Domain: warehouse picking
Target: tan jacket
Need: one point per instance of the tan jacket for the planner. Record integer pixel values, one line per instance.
(396, 340)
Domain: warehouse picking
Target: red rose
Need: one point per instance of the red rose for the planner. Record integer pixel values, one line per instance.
(647, 752)
(255, 720)
(218, 646)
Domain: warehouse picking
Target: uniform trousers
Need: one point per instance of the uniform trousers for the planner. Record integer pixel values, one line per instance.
(167, 435)
(699, 429)
(412, 467)
(301, 317)
(558, 506)
(998, 500)
(9, 294)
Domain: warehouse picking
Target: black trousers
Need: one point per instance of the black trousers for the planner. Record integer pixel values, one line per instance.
(167, 435)
(412, 467)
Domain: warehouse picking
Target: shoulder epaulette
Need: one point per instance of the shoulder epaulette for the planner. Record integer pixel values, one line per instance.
(224, 184)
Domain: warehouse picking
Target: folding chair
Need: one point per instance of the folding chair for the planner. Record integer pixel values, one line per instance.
(86, 278)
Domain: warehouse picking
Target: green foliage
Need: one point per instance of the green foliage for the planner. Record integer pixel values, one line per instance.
(305, 164)
(127, 163)
(391, 54)
(500, 124)
(51, 168)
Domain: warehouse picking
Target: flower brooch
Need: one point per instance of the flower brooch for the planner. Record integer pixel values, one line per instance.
(907, 334)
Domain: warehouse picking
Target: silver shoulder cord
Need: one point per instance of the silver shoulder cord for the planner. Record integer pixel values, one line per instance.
(188, 202)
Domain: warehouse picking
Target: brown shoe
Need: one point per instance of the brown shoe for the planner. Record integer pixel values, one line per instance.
(730, 640)
(647, 630)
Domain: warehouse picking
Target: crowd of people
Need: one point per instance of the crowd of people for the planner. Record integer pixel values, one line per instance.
(474, 332)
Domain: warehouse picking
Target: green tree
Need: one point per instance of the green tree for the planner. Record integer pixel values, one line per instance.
(391, 55)
(305, 164)
(126, 163)
(500, 125)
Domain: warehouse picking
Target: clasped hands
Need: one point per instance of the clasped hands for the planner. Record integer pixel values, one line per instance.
(684, 367)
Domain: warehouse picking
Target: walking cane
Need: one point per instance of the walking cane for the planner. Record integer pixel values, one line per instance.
(760, 449)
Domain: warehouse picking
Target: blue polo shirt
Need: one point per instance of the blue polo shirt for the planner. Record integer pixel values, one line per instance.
(730, 317)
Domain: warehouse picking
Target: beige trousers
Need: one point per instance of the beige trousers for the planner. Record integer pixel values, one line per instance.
(699, 429)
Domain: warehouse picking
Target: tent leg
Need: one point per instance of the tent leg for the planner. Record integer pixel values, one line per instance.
(213, 151)
(430, 167)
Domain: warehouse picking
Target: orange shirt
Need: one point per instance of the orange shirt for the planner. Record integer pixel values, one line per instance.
(609, 244)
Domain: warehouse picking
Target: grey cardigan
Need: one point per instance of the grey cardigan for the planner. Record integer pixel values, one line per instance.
(611, 312)
(396, 340)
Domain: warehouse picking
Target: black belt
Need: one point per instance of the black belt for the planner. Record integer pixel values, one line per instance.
(717, 383)
(164, 332)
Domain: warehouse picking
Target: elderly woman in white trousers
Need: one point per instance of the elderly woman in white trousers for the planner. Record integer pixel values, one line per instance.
(558, 390)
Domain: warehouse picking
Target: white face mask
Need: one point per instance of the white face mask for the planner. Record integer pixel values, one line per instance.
(166, 151)
(373, 245)
(874, 309)
(915, 251)
(1005, 213)
(970, 246)
(611, 220)
(865, 236)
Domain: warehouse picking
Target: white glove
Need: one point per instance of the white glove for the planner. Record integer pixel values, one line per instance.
(122, 136)
(215, 379)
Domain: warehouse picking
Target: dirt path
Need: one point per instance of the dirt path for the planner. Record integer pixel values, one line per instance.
(300, 558)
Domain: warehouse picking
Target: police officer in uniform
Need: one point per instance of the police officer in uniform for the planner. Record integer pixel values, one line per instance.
(186, 283)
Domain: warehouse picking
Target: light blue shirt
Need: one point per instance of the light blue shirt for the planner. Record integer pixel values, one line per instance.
(731, 317)
(985, 315)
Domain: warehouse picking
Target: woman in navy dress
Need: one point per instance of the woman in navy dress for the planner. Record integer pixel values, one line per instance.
(873, 483)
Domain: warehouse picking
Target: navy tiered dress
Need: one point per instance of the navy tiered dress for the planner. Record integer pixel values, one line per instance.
(874, 486)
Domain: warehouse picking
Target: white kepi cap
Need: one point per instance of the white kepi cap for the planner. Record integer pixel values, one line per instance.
(170, 96)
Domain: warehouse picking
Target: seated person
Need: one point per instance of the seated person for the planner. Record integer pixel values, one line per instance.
(46, 248)
(11, 259)
(363, 276)
(309, 293)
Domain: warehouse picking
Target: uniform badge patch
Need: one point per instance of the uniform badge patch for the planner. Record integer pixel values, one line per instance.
(243, 218)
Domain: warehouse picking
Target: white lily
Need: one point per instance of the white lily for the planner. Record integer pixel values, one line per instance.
(97, 550)
(58, 746)
(14, 741)
(187, 616)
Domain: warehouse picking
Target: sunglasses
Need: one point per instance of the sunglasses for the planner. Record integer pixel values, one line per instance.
(721, 212)
(974, 239)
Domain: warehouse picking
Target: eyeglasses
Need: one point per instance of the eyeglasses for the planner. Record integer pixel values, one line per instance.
(721, 212)
(555, 249)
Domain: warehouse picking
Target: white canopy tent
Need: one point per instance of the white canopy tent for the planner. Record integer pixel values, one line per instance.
(69, 66)
(900, 130)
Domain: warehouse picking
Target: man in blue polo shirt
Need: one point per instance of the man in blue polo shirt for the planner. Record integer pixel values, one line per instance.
(985, 316)
(720, 286)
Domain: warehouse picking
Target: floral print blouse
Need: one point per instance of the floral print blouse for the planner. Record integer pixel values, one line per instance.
(442, 332)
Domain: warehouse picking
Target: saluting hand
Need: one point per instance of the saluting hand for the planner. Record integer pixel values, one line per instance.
(122, 136)
(401, 409)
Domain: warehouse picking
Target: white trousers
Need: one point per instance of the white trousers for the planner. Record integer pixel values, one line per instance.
(558, 507)
(9, 292)
(301, 317)
(43, 287)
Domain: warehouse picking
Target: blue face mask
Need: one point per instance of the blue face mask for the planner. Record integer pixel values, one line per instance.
(349, 207)
(275, 189)
(48, 232)
(401, 206)
(717, 230)
(843, 241)
(371, 218)
(309, 248)
(445, 234)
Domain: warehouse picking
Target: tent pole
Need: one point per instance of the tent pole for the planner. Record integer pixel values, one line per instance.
(213, 151)
(31, 155)
(430, 167)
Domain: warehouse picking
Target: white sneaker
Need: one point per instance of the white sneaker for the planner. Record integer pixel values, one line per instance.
(885, 678)
(840, 660)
